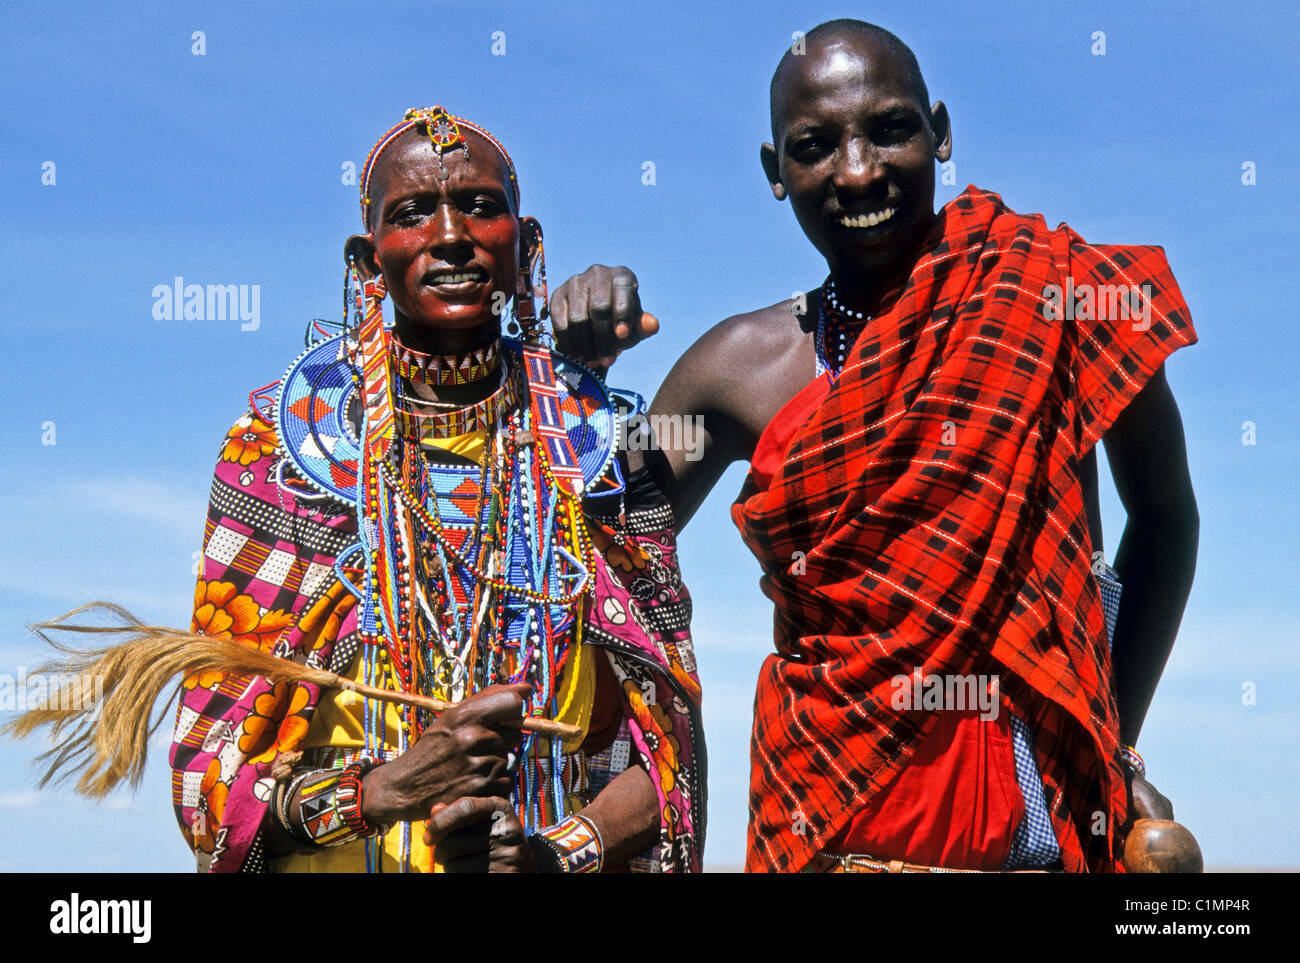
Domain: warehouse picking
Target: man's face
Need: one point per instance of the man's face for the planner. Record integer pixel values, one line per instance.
(856, 156)
(444, 245)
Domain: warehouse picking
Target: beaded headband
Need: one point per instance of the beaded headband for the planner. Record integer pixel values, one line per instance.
(445, 131)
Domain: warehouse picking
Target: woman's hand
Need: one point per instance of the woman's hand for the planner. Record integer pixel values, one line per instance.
(463, 754)
(478, 835)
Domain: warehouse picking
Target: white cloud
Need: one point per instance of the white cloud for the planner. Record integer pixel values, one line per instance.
(21, 799)
(146, 499)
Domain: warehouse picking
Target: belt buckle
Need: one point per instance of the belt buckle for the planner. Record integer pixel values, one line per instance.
(857, 863)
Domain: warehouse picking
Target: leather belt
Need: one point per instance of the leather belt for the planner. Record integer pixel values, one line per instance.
(860, 863)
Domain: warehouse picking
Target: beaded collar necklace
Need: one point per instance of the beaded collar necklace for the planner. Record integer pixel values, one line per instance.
(441, 370)
(837, 328)
(424, 420)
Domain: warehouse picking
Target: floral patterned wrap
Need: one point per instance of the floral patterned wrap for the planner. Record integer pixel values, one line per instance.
(267, 579)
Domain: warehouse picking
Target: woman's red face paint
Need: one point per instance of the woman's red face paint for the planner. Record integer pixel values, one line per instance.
(445, 233)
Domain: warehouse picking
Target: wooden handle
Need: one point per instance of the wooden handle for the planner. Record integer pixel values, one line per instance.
(543, 727)
(1162, 846)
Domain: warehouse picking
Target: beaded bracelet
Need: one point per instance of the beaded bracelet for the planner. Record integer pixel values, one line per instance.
(319, 822)
(280, 802)
(347, 799)
(1130, 758)
(574, 842)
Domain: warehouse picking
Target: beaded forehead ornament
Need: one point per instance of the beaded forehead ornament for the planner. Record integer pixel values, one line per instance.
(445, 132)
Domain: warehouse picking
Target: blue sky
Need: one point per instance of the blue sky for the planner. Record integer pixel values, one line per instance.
(227, 168)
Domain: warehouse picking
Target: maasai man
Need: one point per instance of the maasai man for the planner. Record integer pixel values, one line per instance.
(923, 497)
(503, 561)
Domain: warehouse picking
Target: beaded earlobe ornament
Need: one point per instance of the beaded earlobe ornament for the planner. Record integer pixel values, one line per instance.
(376, 373)
(351, 298)
(532, 276)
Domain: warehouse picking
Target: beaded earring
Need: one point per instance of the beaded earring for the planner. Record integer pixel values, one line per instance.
(376, 375)
(531, 266)
(351, 298)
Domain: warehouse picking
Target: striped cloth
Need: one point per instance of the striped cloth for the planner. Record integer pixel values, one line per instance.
(888, 546)
(1035, 843)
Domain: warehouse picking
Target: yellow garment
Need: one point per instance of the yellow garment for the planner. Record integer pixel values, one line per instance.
(469, 445)
(339, 722)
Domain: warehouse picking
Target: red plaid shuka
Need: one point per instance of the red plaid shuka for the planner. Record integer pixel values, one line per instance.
(888, 551)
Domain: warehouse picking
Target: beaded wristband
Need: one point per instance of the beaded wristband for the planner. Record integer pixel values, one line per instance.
(1130, 757)
(347, 799)
(319, 822)
(575, 842)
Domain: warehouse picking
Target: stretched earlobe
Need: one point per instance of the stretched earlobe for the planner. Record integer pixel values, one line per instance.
(772, 170)
(531, 280)
(530, 234)
(941, 124)
(359, 251)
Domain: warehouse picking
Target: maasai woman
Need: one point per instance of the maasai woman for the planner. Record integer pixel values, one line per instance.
(438, 509)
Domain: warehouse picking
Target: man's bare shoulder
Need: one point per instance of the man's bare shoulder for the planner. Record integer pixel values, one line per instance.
(745, 344)
(742, 370)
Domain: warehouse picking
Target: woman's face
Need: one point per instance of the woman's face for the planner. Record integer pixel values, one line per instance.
(446, 235)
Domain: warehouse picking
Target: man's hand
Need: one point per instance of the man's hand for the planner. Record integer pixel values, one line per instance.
(597, 314)
(463, 754)
(1148, 801)
(478, 835)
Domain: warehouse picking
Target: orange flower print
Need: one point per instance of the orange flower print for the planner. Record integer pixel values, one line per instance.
(249, 439)
(221, 612)
(268, 629)
(207, 819)
(626, 558)
(276, 724)
(657, 729)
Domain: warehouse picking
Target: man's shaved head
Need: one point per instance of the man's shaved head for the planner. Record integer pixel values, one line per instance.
(850, 31)
(854, 145)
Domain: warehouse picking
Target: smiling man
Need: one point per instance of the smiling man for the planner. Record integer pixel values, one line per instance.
(923, 497)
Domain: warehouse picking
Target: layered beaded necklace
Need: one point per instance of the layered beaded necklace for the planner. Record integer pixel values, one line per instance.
(428, 421)
(478, 574)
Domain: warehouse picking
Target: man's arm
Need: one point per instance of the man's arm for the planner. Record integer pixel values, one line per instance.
(596, 315)
(729, 383)
(1156, 558)
(693, 391)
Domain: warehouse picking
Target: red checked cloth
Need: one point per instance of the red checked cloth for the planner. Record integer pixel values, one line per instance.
(889, 551)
